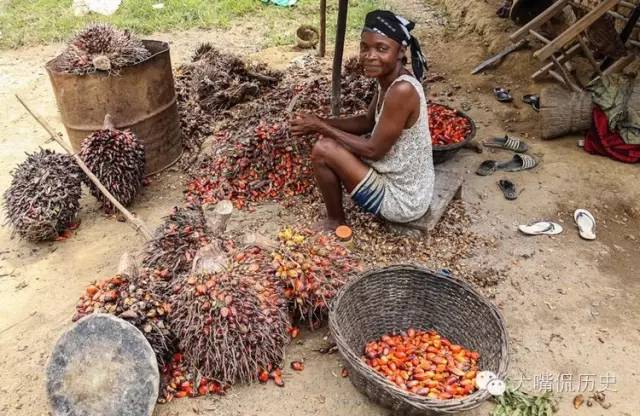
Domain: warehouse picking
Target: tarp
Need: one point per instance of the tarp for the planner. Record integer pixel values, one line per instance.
(619, 97)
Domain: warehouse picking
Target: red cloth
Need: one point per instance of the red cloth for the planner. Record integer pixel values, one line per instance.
(601, 141)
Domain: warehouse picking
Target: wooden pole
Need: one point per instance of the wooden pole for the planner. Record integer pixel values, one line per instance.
(323, 28)
(337, 57)
(137, 223)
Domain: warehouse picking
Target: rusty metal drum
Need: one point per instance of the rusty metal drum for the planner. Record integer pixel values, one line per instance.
(140, 97)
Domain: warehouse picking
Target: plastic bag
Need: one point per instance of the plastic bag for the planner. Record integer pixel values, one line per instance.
(104, 7)
(283, 3)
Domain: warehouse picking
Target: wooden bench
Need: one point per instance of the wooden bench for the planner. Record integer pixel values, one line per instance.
(447, 187)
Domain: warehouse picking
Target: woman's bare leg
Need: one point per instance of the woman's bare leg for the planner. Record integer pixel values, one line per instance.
(333, 166)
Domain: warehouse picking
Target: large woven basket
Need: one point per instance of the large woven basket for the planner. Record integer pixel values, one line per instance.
(563, 112)
(395, 298)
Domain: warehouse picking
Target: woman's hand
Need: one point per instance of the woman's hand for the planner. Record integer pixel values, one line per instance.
(305, 123)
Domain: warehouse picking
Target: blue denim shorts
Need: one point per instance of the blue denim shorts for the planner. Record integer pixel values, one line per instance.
(369, 193)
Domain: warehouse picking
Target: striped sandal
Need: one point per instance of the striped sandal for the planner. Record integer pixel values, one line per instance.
(507, 143)
(518, 163)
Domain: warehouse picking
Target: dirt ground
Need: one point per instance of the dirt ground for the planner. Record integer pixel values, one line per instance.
(571, 306)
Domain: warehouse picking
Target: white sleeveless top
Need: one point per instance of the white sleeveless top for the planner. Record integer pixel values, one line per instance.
(407, 169)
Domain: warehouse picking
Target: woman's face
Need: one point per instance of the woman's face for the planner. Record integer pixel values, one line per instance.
(379, 54)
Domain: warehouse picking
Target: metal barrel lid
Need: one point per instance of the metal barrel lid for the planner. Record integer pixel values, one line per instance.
(103, 366)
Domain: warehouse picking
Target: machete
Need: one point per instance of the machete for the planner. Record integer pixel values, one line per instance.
(496, 58)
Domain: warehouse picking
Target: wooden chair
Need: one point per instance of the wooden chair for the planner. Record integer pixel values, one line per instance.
(558, 51)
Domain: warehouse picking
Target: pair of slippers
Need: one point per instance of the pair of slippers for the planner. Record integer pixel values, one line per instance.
(504, 96)
(584, 220)
(517, 163)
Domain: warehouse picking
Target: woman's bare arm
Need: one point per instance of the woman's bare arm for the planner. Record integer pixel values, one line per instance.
(400, 104)
(360, 124)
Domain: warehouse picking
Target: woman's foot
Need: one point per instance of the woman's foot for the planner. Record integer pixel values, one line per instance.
(327, 224)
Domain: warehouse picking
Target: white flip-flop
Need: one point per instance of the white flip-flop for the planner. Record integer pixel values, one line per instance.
(586, 224)
(541, 228)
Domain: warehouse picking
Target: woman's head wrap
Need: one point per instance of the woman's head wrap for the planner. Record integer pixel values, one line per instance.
(398, 28)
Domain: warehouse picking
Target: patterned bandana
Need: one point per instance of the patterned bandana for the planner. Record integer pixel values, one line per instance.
(398, 28)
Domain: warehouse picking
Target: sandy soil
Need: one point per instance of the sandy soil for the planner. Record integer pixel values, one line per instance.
(571, 306)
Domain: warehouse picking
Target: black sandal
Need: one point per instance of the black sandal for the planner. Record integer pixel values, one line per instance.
(502, 95)
(517, 163)
(487, 167)
(532, 100)
(508, 143)
(508, 189)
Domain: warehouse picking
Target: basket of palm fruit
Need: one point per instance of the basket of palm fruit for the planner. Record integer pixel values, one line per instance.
(414, 340)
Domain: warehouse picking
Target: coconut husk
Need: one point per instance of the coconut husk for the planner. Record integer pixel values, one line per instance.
(563, 112)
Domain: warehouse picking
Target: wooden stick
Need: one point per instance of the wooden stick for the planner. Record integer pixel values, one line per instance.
(138, 224)
(611, 13)
(564, 56)
(624, 35)
(587, 52)
(261, 77)
(336, 77)
(566, 75)
(323, 28)
(574, 30)
(539, 20)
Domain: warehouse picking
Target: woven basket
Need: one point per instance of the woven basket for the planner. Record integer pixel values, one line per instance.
(307, 36)
(563, 112)
(395, 298)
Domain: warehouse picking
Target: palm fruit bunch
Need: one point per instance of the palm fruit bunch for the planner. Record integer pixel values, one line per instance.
(101, 47)
(219, 80)
(169, 255)
(117, 159)
(131, 300)
(44, 196)
(231, 325)
(357, 90)
(312, 267)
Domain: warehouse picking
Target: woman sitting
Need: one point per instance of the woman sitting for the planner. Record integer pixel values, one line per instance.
(391, 172)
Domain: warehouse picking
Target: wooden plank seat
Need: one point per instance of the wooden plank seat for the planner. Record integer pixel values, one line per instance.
(447, 187)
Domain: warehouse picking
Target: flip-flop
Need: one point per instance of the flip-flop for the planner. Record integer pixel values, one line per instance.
(508, 189)
(518, 163)
(541, 228)
(532, 100)
(507, 143)
(487, 167)
(502, 95)
(586, 224)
